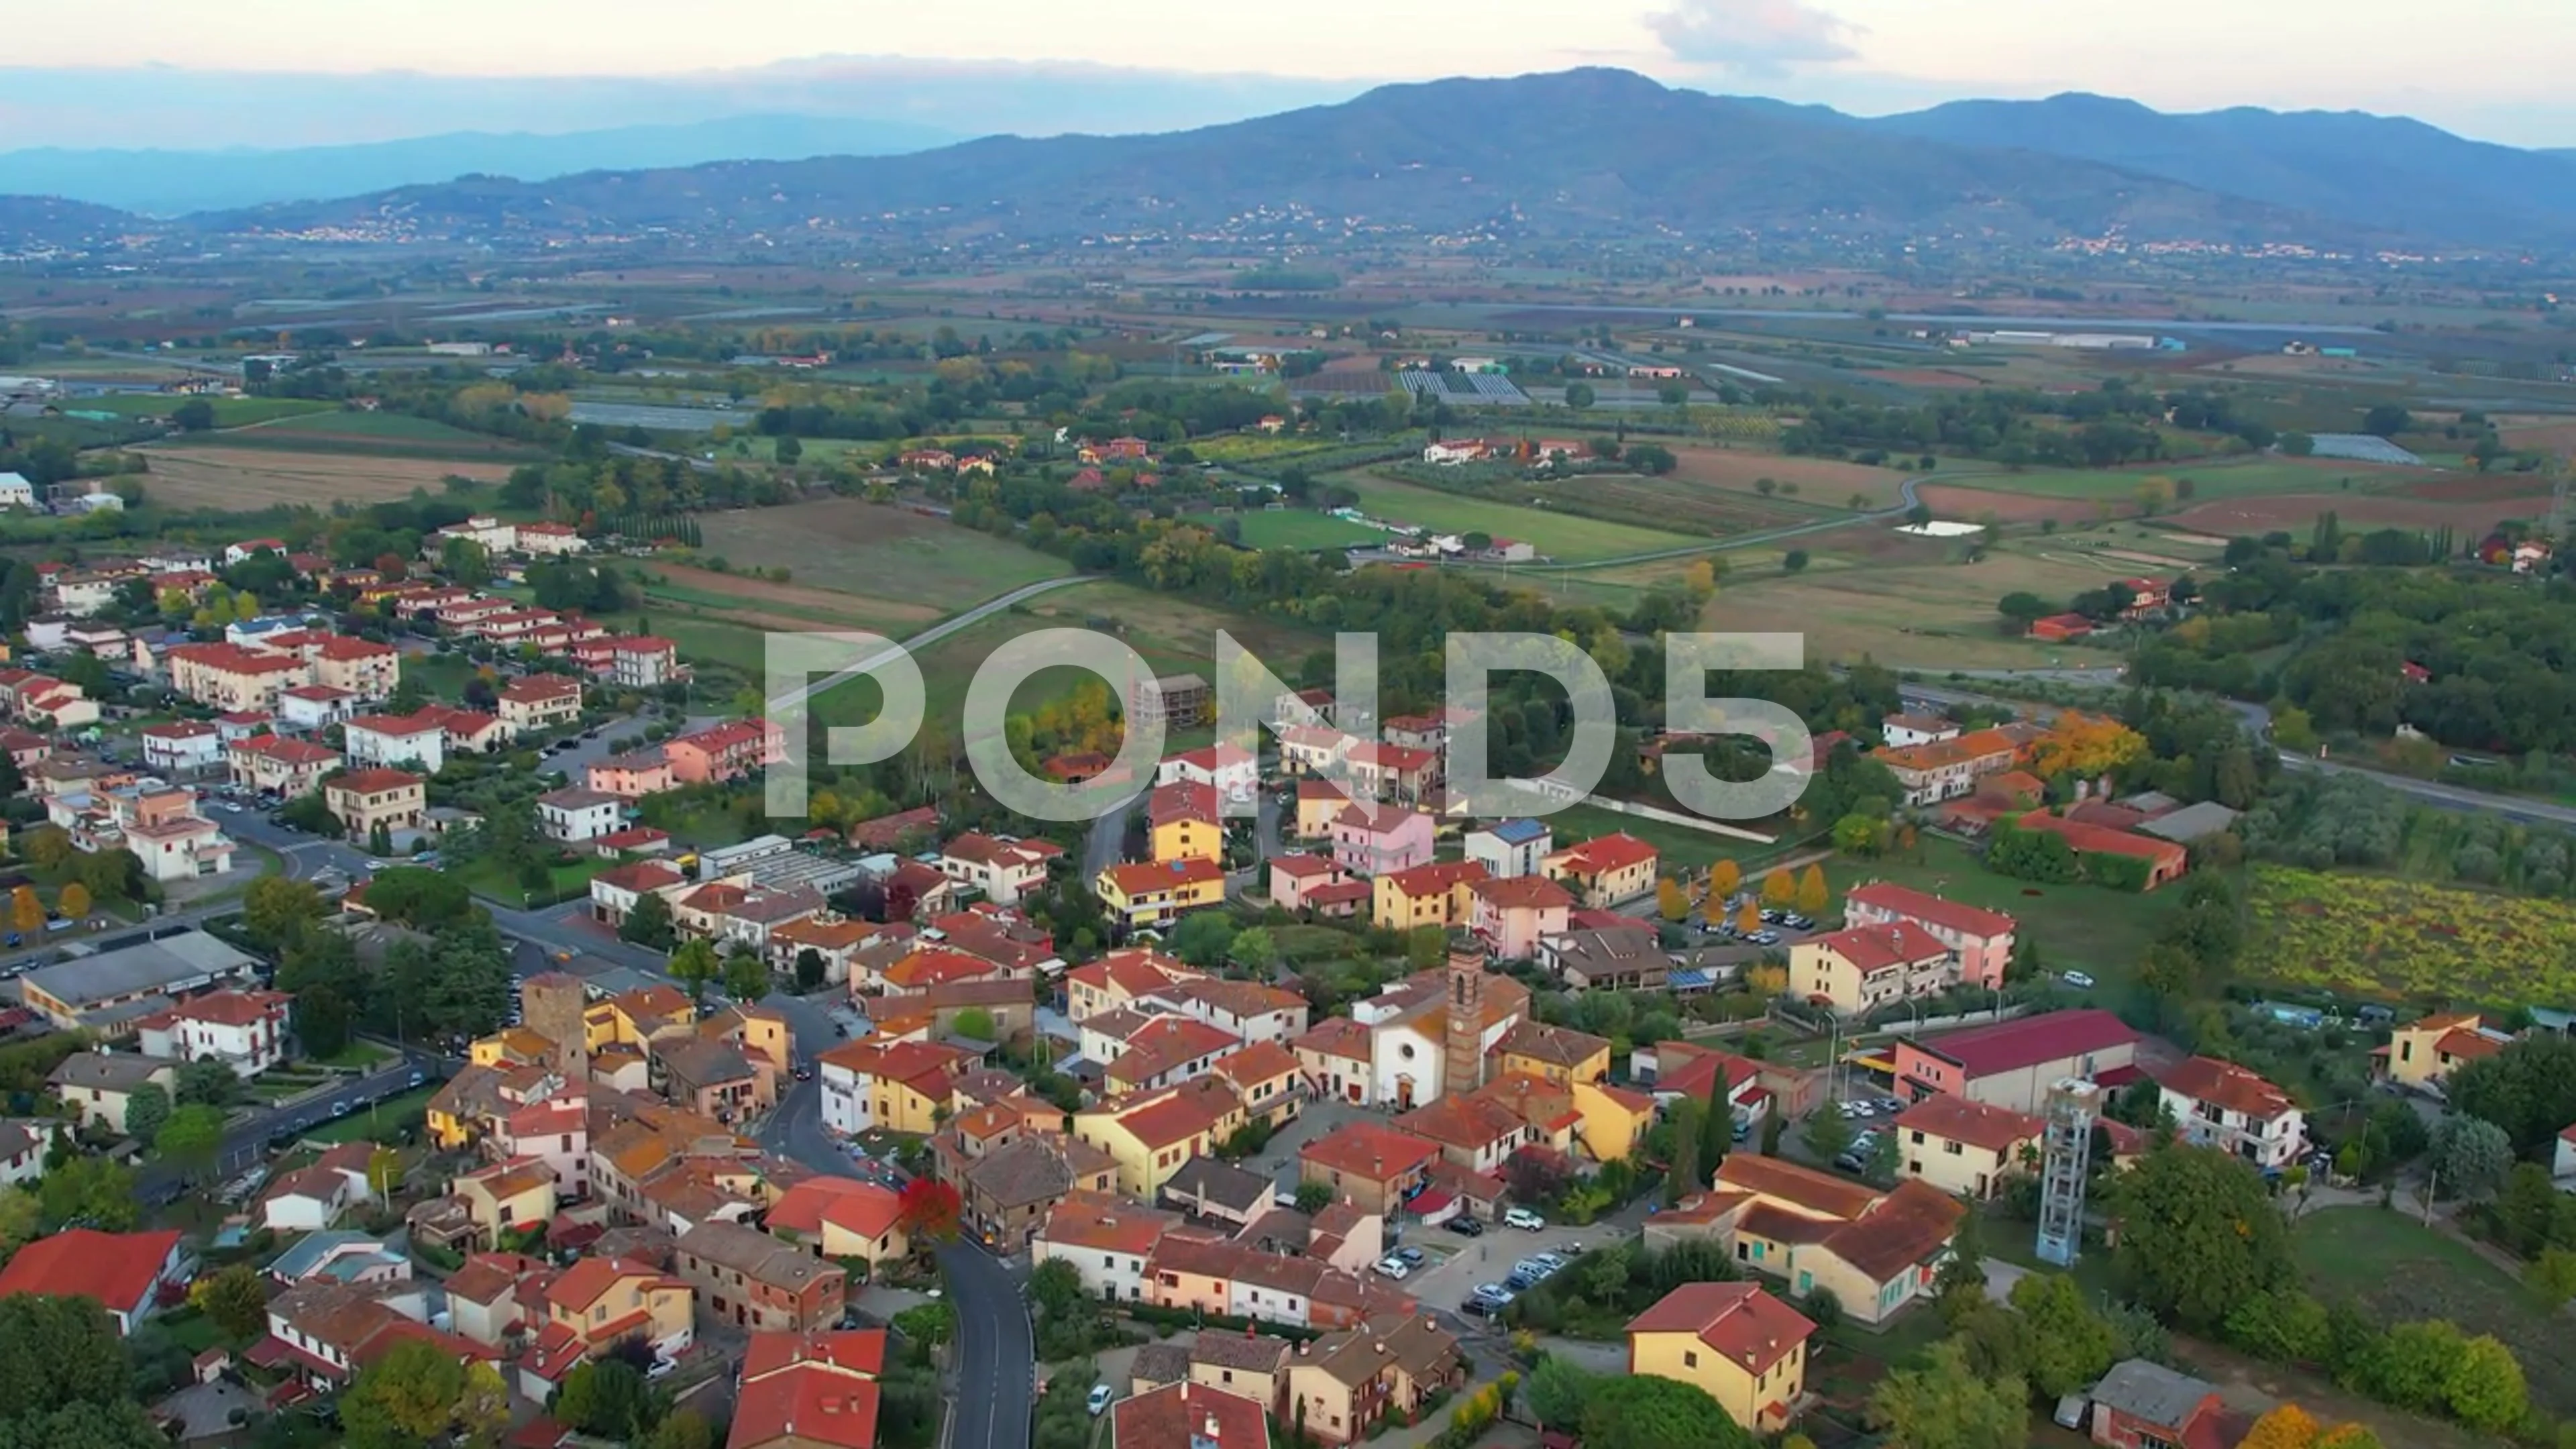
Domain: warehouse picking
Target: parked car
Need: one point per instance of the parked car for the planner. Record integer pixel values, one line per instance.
(1393, 1267)
(1526, 1218)
(1412, 1257)
(1520, 1282)
(1099, 1401)
(1475, 1307)
(2077, 979)
(1466, 1227)
(1551, 1261)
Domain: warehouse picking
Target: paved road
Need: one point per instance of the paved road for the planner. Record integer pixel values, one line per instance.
(795, 699)
(246, 1141)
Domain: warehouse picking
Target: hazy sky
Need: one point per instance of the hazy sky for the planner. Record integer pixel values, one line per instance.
(2491, 68)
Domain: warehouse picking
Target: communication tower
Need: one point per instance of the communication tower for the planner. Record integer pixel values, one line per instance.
(2065, 1162)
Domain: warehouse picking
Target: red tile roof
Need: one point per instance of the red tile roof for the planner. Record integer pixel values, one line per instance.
(2012, 1045)
(1523, 892)
(1106, 1225)
(373, 782)
(1875, 948)
(854, 1351)
(1956, 1119)
(1182, 800)
(805, 1206)
(1604, 853)
(1370, 1150)
(1753, 1329)
(116, 1270)
(1905, 901)
(1178, 1416)
(1437, 878)
(807, 1404)
(2227, 1086)
(1136, 878)
(2091, 839)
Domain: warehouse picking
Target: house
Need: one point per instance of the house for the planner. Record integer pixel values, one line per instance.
(550, 538)
(96, 1086)
(1513, 915)
(728, 751)
(182, 748)
(245, 1030)
(1860, 968)
(362, 800)
(1161, 1051)
(1981, 940)
(1735, 1342)
(508, 1197)
(644, 661)
(180, 848)
(809, 1391)
(1604, 872)
(889, 1086)
(1189, 1416)
(1004, 868)
(417, 741)
(2222, 1105)
(1250, 1364)
(1510, 849)
(594, 1305)
(575, 815)
(2060, 628)
(1877, 1253)
(337, 1256)
(313, 708)
(1184, 824)
(1107, 1240)
(1183, 699)
(1902, 731)
(1372, 839)
(231, 677)
(1249, 1011)
(1150, 894)
(22, 1152)
(1296, 874)
(1343, 1386)
(1372, 1165)
(2147, 598)
(1319, 803)
(2143, 1405)
(842, 1218)
(1623, 958)
(2423, 1053)
(2015, 1063)
(1312, 750)
(615, 892)
(323, 1333)
(1150, 1136)
(1471, 1130)
(1224, 767)
(630, 776)
(1392, 772)
(284, 767)
(1219, 1195)
(750, 1280)
(1008, 1189)
(536, 702)
(1424, 895)
(2158, 860)
(1965, 1148)
(120, 1272)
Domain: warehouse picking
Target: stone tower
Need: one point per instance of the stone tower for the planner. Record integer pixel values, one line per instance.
(1463, 1069)
(552, 1003)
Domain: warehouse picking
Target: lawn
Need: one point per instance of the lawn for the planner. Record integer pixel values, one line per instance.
(357, 1056)
(2102, 931)
(443, 675)
(1558, 535)
(1296, 528)
(377, 1122)
(2398, 1270)
(2376, 936)
(487, 878)
(380, 434)
(1903, 602)
(1679, 844)
(2215, 478)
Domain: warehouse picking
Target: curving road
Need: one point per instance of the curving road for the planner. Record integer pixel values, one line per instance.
(796, 699)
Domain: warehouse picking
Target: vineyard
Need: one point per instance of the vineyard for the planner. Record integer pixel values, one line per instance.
(2374, 936)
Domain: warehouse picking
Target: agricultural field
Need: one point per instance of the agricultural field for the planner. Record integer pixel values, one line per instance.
(1821, 482)
(2398, 1271)
(1902, 602)
(1296, 528)
(876, 551)
(2376, 936)
(241, 479)
(781, 606)
(395, 435)
(2469, 516)
(1560, 536)
(230, 412)
(2208, 479)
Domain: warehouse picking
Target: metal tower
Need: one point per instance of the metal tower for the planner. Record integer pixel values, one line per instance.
(2067, 1152)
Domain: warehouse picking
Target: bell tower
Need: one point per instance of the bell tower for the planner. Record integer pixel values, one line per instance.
(1464, 1061)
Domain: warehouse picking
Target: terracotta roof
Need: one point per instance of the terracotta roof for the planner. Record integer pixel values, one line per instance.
(805, 1406)
(1908, 902)
(1603, 854)
(1803, 1187)
(1139, 877)
(1131, 973)
(937, 966)
(1178, 1416)
(1978, 1124)
(1247, 1351)
(801, 1207)
(1561, 1046)
(1165, 1044)
(1523, 892)
(1338, 1036)
(1182, 800)
(1902, 1230)
(1695, 1071)
(1974, 745)
(1033, 1169)
(2467, 1044)
(1740, 1320)
(755, 1255)
(1260, 1062)
(1176, 1114)
(375, 782)
(1370, 1150)
(2102, 839)
(2227, 1086)
(1298, 865)
(1106, 1225)
(116, 1270)
(852, 1351)
(2010, 1046)
(1474, 1123)
(1437, 878)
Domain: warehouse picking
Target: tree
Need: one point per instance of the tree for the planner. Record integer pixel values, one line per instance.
(192, 1139)
(1557, 1391)
(1811, 891)
(928, 1211)
(1962, 1277)
(26, 913)
(2484, 1388)
(649, 924)
(1646, 1412)
(56, 1353)
(234, 1298)
(1829, 1133)
(1671, 901)
(73, 901)
(2528, 1089)
(405, 1398)
(2297, 445)
(2552, 1275)
(1945, 1405)
(196, 415)
(2021, 609)
(2469, 1157)
(22, 1218)
(976, 1024)
(1748, 919)
(2387, 420)
(2199, 1235)
(207, 1081)
(1723, 878)
(1794, 561)
(2286, 1427)
(1578, 395)
(1254, 947)
(684, 1429)
(2071, 1345)
(746, 978)
(95, 1191)
(696, 968)
(606, 1396)
(811, 970)
(147, 1111)
(275, 909)
(1779, 890)
(1314, 1197)
(1203, 939)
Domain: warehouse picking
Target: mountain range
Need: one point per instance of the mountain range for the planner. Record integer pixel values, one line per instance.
(1591, 152)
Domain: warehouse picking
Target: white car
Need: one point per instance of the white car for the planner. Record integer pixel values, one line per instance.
(1521, 1217)
(1394, 1267)
(2077, 979)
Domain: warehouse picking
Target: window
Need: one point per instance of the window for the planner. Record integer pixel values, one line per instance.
(1952, 1148)
(1917, 1138)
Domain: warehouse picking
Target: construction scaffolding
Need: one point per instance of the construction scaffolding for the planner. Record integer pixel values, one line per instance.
(2065, 1163)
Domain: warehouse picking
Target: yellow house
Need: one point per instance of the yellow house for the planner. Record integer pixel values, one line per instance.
(1319, 804)
(1185, 822)
(897, 1086)
(635, 1018)
(1264, 1078)
(1614, 1119)
(2422, 1053)
(1149, 894)
(1964, 1148)
(1425, 895)
(1861, 968)
(515, 1046)
(1150, 1137)
(1743, 1347)
(1875, 1252)
(599, 1301)
(1557, 1054)
(1603, 871)
(508, 1198)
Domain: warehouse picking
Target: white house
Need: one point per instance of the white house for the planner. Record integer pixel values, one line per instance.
(1901, 730)
(1002, 868)
(17, 492)
(312, 708)
(182, 848)
(495, 536)
(1510, 849)
(1107, 1240)
(575, 815)
(550, 538)
(2222, 1105)
(408, 741)
(1230, 769)
(183, 747)
(245, 1030)
(22, 1152)
(847, 1092)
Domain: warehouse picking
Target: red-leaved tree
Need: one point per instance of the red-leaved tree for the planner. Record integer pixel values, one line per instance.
(929, 1211)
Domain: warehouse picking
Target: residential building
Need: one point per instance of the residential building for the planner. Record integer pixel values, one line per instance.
(1965, 1148)
(2157, 861)
(1374, 839)
(185, 747)
(1183, 822)
(1182, 699)
(1981, 940)
(1472, 1130)
(1119, 979)
(536, 702)
(550, 538)
(644, 661)
(1511, 916)
(245, 1030)
(1106, 1239)
(1250, 1364)
(1152, 1135)
(1604, 872)
(1425, 895)
(896, 1087)
(750, 1280)
(230, 677)
(2423, 1053)
(1189, 1416)
(1948, 769)
(120, 1272)
(95, 1087)
(1621, 958)
(1341, 1387)
(1155, 1052)
(1295, 874)
(285, 767)
(1226, 768)
(313, 708)
(2144, 1405)
(1151, 894)
(414, 741)
(1392, 772)
(104, 993)
(728, 751)
(1735, 1342)
(362, 668)
(630, 776)
(614, 892)
(2015, 1063)
(1860, 968)
(365, 799)
(1877, 1253)
(575, 815)
(322, 1333)
(182, 848)
(1510, 849)
(1372, 1165)
(2222, 1105)
(507, 1197)
(1002, 867)
(841, 1218)
(594, 1305)
(1903, 731)
(810, 1391)
(1010, 1186)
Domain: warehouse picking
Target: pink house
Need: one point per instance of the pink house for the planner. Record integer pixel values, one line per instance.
(1511, 915)
(1374, 839)
(1295, 874)
(1982, 939)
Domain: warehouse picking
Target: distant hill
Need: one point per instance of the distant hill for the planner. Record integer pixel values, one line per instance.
(2375, 171)
(1578, 152)
(1583, 153)
(173, 183)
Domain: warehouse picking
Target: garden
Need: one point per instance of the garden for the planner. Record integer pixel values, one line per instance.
(2373, 936)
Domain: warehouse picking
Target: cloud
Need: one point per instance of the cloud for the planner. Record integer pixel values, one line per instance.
(1757, 37)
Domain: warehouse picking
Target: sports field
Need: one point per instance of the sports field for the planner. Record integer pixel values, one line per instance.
(1560, 536)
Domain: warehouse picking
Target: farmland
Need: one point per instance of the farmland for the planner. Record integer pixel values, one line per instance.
(795, 605)
(849, 546)
(230, 412)
(1899, 601)
(1558, 535)
(2295, 512)
(2220, 478)
(393, 435)
(238, 479)
(2375, 936)
(2399, 1271)
(1825, 482)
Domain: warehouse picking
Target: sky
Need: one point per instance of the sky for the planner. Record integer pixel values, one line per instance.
(2494, 69)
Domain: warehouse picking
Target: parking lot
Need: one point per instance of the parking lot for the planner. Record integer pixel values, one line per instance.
(1463, 1263)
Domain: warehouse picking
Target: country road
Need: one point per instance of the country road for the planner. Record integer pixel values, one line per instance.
(796, 698)
(1905, 490)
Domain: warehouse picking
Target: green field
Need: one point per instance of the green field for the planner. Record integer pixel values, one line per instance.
(230, 412)
(1296, 528)
(2102, 931)
(393, 435)
(875, 550)
(2209, 479)
(1680, 845)
(2399, 1270)
(1559, 536)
